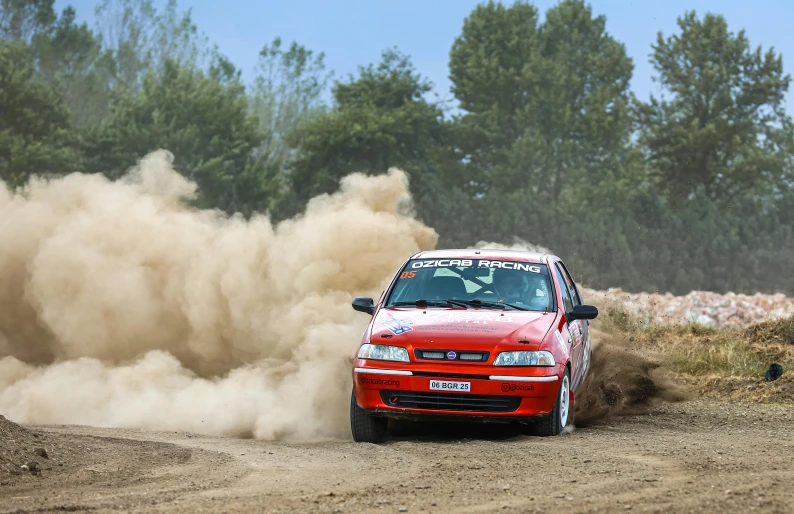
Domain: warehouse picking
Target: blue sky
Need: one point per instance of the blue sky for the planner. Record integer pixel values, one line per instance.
(354, 32)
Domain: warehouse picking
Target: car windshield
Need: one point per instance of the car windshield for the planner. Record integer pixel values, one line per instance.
(477, 283)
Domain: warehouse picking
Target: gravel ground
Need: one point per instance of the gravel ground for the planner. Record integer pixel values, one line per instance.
(695, 456)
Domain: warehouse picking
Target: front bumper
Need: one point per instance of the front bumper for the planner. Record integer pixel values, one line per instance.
(497, 394)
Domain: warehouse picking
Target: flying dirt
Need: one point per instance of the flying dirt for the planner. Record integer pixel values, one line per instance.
(123, 306)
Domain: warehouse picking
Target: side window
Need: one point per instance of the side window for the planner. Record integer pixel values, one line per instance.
(577, 299)
(566, 294)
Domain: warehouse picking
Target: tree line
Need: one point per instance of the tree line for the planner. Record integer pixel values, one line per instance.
(689, 190)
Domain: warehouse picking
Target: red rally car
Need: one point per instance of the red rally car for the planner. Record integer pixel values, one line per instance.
(472, 335)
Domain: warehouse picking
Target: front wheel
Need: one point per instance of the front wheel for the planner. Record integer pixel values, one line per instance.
(365, 427)
(556, 422)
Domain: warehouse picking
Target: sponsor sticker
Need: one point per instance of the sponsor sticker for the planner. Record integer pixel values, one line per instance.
(586, 355)
(479, 329)
(397, 326)
(391, 382)
(520, 266)
(576, 331)
(468, 263)
(442, 263)
(509, 388)
(469, 317)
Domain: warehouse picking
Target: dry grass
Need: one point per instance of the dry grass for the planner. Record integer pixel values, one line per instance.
(718, 362)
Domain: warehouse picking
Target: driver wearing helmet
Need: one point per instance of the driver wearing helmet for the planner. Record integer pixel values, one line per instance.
(509, 285)
(517, 287)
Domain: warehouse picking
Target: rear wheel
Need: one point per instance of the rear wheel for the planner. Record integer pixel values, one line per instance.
(365, 427)
(560, 415)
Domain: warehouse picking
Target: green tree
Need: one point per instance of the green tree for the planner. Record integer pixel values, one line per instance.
(379, 119)
(203, 120)
(286, 93)
(70, 56)
(546, 106)
(723, 129)
(142, 38)
(35, 128)
(580, 123)
(20, 20)
(65, 54)
(492, 74)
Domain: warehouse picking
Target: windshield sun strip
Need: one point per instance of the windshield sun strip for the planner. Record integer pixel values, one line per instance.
(405, 267)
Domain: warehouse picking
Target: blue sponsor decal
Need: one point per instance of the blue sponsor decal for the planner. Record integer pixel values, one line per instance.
(398, 326)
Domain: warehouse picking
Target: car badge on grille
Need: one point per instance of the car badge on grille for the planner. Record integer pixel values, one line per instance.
(451, 355)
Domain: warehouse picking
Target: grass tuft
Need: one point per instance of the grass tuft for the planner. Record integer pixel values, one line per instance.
(732, 360)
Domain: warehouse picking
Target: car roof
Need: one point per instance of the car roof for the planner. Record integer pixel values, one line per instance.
(481, 253)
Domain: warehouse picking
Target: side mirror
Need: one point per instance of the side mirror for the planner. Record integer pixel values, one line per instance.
(363, 304)
(582, 312)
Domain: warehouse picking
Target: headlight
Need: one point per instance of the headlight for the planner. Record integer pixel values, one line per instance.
(383, 352)
(542, 358)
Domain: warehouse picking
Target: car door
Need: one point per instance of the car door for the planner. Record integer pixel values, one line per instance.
(573, 335)
(581, 327)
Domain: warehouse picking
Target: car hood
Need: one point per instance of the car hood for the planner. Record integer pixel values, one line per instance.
(482, 329)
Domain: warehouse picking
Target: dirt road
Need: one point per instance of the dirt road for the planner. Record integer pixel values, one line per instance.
(687, 457)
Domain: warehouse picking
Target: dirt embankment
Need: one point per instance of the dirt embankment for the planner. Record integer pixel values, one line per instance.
(26, 452)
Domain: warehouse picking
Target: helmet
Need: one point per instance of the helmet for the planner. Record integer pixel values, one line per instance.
(508, 282)
(536, 282)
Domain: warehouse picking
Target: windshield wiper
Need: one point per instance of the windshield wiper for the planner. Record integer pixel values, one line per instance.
(460, 303)
(420, 302)
(481, 303)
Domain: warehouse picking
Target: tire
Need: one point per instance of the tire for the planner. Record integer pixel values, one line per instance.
(561, 414)
(365, 427)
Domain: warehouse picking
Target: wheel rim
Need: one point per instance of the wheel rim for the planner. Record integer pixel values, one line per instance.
(564, 399)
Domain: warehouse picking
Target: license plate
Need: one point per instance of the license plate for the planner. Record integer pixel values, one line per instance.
(443, 385)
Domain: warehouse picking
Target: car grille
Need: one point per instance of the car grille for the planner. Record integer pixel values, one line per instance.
(450, 402)
(451, 355)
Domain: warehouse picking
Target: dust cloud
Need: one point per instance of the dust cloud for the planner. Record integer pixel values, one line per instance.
(518, 244)
(122, 306)
(621, 381)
